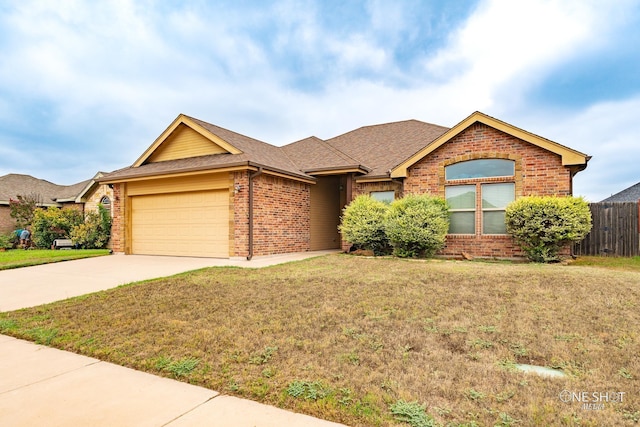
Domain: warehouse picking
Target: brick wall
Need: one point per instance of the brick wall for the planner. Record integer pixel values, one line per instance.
(118, 224)
(360, 188)
(91, 205)
(537, 172)
(7, 224)
(281, 216)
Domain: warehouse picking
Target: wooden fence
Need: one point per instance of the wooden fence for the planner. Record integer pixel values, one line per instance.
(615, 232)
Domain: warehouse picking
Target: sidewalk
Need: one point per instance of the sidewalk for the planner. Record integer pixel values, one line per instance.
(45, 386)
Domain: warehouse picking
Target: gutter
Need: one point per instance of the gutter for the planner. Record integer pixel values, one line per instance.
(251, 177)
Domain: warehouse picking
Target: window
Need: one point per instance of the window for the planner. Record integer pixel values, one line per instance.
(481, 168)
(478, 202)
(495, 198)
(383, 196)
(106, 203)
(462, 204)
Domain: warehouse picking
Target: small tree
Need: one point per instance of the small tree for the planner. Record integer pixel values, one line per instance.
(417, 225)
(363, 224)
(95, 231)
(23, 207)
(53, 223)
(542, 226)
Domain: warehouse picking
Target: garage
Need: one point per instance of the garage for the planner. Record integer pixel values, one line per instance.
(194, 223)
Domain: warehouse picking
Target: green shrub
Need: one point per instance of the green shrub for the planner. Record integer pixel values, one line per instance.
(53, 223)
(6, 241)
(94, 232)
(417, 225)
(363, 224)
(542, 226)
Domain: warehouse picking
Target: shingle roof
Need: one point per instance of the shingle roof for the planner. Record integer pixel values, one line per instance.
(382, 147)
(631, 194)
(13, 184)
(254, 152)
(374, 150)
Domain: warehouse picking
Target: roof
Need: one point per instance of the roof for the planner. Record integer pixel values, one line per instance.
(50, 194)
(569, 156)
(631, 194)
(245, 152)
(374, 152)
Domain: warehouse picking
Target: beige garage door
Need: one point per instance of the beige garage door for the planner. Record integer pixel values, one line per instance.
(184, 224)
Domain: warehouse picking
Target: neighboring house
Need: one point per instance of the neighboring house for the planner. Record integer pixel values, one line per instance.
(631, 194)
(201, 190)
(83, 196)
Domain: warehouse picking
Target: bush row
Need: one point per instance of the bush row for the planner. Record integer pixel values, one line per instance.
(417, 225)
(88, 232)
(414, 226)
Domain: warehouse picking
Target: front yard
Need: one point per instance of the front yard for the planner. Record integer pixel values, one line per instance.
(16, 258)
(350, 339)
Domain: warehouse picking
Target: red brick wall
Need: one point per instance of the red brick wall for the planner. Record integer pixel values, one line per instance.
(239, 206)
(7, 224)
(537, 172)
(118, 223)
(282, 211)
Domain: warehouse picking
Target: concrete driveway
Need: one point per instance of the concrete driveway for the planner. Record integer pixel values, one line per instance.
(46, 386)
(41, 284)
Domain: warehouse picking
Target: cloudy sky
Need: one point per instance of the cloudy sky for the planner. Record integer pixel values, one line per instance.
(89, 85)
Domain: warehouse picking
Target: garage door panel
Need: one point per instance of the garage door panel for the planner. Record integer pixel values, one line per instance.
(189, 224)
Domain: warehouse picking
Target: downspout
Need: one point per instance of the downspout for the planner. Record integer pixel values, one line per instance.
(251, 177)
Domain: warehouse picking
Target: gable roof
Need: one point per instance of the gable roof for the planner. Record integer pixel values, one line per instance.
(50, 194)
(569, 156)
(631, 194)
(240, 152)
(377, 152)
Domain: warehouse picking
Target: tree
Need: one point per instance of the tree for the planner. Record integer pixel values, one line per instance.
(23, 207)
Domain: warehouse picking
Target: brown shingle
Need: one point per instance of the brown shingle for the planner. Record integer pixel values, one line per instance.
(382, 147)
(13, 184)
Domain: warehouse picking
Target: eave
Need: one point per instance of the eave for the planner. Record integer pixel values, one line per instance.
(570, 157)
(182, 119)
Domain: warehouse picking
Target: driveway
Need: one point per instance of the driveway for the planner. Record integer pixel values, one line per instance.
(45, 386)
(41, 284)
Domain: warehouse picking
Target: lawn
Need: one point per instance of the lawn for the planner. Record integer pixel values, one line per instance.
(368, 341)
(17, 258)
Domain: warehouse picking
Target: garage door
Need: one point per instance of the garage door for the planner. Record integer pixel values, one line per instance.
(184, 224)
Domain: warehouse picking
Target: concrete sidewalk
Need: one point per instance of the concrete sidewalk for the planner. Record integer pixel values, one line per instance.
(45, 386)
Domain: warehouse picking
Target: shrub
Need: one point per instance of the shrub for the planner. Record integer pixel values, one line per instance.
(363, 224)
(53, 223)
(6, 241)
(542, 226)
(94, 232)
(417, 225)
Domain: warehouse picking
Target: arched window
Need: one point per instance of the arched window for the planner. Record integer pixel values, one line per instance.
(476, 201)
(106, 203)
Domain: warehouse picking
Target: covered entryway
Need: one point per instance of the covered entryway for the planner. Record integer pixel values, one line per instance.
(327, 200)
(194, 223)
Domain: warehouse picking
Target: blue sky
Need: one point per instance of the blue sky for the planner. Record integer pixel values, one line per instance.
(88, 86)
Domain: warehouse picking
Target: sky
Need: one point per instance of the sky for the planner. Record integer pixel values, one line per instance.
(87, 86)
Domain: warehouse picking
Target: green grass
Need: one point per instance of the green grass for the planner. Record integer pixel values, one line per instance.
(371, 341)
(17, 258)
(614, 263)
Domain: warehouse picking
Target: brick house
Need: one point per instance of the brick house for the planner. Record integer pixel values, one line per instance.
(83, 196)
(201, 190)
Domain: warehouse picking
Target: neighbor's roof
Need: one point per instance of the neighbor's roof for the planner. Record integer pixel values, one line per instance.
(631, 194)
(13, 184)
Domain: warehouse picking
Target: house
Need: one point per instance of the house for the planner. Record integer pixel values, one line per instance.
(83, 196)
(202, 190)
(631, 194)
